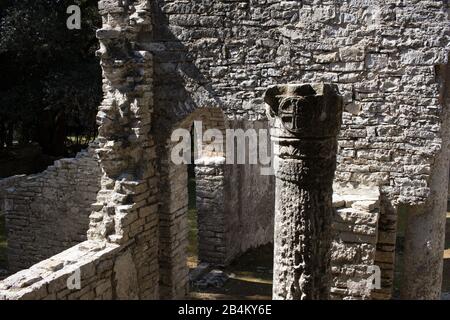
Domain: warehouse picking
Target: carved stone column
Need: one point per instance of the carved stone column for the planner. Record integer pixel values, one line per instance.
(305, 122)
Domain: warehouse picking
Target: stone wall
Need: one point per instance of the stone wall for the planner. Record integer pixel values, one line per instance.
(234, 202)
(108, 271)
(90, 270)
(385, 255)
(249, 201)
(224, 54)
(448, 197)
(48, 212)
(381, 54)
(127, 206)
(385, 57)
(212, 216)
(235, 209)
(173, 208)
(363, 246)
(355, 241)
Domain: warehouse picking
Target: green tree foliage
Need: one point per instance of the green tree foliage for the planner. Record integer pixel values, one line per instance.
(50, 79)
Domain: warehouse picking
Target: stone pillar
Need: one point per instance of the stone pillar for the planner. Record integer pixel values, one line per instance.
(305, 122)
(425, 225)
(209, 175)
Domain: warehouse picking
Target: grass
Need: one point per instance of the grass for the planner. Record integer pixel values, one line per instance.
(83, 140)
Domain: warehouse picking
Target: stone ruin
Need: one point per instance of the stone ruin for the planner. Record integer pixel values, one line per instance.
(117, 214)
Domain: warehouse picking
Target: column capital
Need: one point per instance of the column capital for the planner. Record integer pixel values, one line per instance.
(304, 110)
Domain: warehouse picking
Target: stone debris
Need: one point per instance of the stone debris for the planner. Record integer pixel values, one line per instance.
(198, 272)
(213, 279)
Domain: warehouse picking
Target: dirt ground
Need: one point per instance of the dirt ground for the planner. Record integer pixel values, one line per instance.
(250, 278)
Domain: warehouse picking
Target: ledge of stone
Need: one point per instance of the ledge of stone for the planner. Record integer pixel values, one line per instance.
(364, 198)
(210, 161)
(55, 271)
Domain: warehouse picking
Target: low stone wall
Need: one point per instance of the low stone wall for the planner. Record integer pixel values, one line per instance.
(90, 270)
(48, 212)
(355, 244)
(109, 271)
(385, 255)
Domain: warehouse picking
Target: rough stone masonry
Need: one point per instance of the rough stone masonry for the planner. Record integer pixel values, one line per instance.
(163, 60)
(48, 212)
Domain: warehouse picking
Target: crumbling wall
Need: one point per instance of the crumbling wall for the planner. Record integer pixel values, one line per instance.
(224, 54)
(126, 210)
(48, 212)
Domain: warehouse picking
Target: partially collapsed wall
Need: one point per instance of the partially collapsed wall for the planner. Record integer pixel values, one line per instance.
(386, 58)
(48, 212)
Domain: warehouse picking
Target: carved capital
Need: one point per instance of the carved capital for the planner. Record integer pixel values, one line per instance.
(305, 110)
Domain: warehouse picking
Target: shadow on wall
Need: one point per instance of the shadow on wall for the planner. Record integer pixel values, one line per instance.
(192, 217)
(179, 89)
(179, 86)
(181, 93)
(399, 249)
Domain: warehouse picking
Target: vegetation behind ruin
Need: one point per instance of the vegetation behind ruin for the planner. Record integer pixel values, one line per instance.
(51, 80)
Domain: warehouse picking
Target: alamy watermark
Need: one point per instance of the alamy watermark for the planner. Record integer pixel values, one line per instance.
(74, 281)
(372, 282)
(74, 20)
(237, 147)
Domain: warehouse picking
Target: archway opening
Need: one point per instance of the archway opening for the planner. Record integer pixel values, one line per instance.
(216, 220)
(192, 251)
